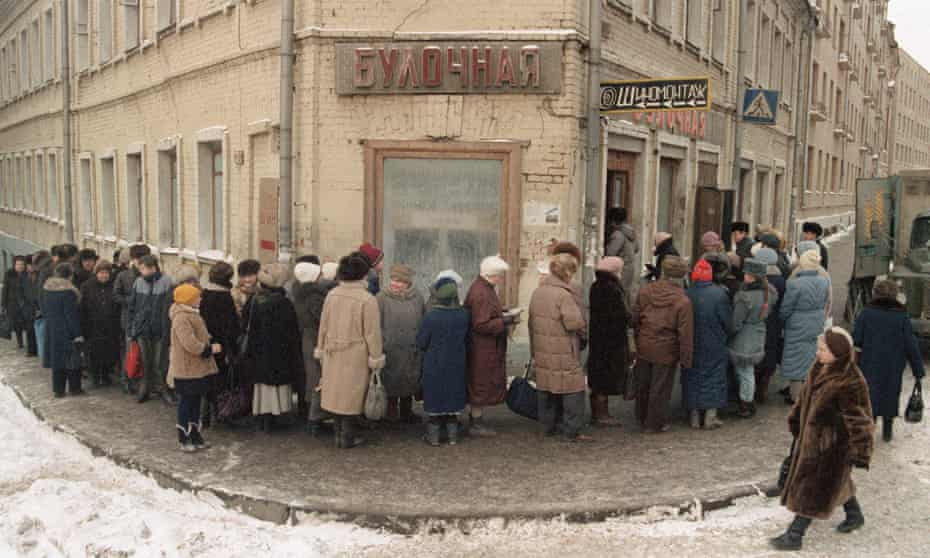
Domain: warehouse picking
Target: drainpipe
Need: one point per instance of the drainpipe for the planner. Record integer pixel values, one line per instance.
(285, 186)
(593, 169)
(740, 94)
(66, 121)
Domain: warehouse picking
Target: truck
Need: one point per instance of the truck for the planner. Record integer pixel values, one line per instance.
(892, 240)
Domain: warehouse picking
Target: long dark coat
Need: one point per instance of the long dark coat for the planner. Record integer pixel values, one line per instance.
(400, 320)
(774, 325)
(608, 348)
(832, 422)
(487, 348)
(442, 338)
(219, 314)
(704, 385)
(308, 303)
(61, 308)
(274, 338)
(17, 299)
(100, 323)
(883, 333)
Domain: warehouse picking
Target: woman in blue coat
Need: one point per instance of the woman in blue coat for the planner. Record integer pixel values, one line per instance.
(704, 386)
(60, 307)
(887, 343)
(803, 311)
(442, 340)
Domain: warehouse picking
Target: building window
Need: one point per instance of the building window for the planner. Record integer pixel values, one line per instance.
(662, 14)
(13, 61)
(169, 233)
(49, 45)
(668, 175)
(104, 30)
(778, 54)
(4, 75)
(720, 30)
(695, 25)
(134, 196)
(36, 74)
(130, 23)
(52, 183)
(41, 205)
(764, 53)
(211, 179)
(108, 196)
(24, 73)
(86, 215)
(82, 35)
(29, 194)
(167, 14)
(749, 39)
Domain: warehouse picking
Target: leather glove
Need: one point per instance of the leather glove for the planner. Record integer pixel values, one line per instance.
(859, 463)
(508, 319)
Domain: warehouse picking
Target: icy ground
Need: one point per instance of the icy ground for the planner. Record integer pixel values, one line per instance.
(56, 499)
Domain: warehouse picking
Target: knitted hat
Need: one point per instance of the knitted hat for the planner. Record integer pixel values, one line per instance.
(885, 289)
(839, 342)
(372, 252)
(329, 271)
(710, 240)
(306, 272)
(662, 237)
(353, 267)
(806, 245)
(702, 271)
(493, 265)
(674, 267)
(810, 260)
(770, 240)
(610, 264)
(739, 226)
(186, 294)
(767, 256)
(567, 248)
(402, 273)
(103, 265)
(813, 228)
(446, 289)
(273, 275)
(754, 267)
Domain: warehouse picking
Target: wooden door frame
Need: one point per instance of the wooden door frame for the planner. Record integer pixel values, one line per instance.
(624, 161)
(509, 153)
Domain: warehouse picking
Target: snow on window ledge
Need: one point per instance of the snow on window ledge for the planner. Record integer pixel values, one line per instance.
(170, 250)
(211, 256)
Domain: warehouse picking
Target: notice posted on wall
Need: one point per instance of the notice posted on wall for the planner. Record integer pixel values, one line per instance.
(541, 213)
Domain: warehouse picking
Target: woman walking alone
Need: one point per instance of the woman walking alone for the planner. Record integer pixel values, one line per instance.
(751, 307)
(608, 351)
(100, 324)
(832, 426)
(402, 309)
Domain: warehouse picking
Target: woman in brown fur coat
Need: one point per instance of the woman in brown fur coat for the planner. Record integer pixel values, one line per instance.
(832, 424)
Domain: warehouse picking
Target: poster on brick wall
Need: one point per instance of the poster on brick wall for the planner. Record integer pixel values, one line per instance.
(268, 220)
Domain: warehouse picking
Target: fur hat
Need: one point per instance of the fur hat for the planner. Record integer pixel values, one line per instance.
(710, 241)
(493, 265)
(702, 271)
(353, 267)
(885, 289)
(564, 266)
(616, 216)
(306, 272)
(661, 237)
(402, 273)
(739, 226)
(806, 245)
(839, 342)
(87, 254)
(137, 251)
(812, 228)
(273, 275)
(674, 267)
(186, 294)
(755, 267)
(329, 270)
(767, 256)
(221, 273)
(372, 252)
(103, 265)
(186, 273)
(248, 267)
(610, 264)
(810, 260)
(567, 248)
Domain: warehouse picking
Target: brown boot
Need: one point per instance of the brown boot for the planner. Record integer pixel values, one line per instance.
(763, 377)
(603, 412)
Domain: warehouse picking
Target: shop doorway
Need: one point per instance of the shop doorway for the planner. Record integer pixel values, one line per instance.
(708, 207)
(668, 172)
(620, 179)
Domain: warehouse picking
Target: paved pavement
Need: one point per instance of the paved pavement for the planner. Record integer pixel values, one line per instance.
(398, 482)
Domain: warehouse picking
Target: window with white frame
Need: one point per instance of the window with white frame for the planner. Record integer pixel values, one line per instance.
(169, 233)
(210, 185)
(36, 49)
(662, 13)
(39, 185)
(749, 38)
(134, 196)
(82, 35)
(694, 27)
(764, 53)
(130, 23)
(108, 196)
(49, 38)
(24, 73)
(28, 193)
(104, 30)
(13, 65)
(17, 182)
(86, 194)
(51, 182)
(719, 47)
(167, 14)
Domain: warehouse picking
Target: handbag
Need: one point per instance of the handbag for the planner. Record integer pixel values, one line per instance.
(235, 399)
(785, 467)
(629, 384)
(375, 398)
(915, 405)
(242, 343)
(6, 329)
(522, 396)
(134, 369)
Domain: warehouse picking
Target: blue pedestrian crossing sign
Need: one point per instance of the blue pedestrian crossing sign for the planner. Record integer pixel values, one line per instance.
(760, 106)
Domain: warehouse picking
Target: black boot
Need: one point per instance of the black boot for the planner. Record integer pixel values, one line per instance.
(197, 439)
(337, 432)
(793, 538)
(347, 434)
(854, 518)
(267, 423)
(887, 428)
(185, 441)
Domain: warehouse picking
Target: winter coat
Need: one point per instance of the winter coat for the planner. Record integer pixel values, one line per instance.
(750, 313)
(487, 347)
(219, 314)
(61, 309)
(667, 248)
(884, 335)
(17, 299)
(743, 248)
(832, 422)
(81, 275)
(774, 325)
(608, 348)
(664, 324)
(308, 303)
(374, 282)
(191, 356)
(241, 296)
(704, 384)
(122, 291)
(349, 347)
(622, 244)
(274, 338)
(400, 320)
(802, 311)
(554, 322)
(43, 272)
(100, 323)
(784, 266)
(442, 339)
(149, 302)
(824, 255)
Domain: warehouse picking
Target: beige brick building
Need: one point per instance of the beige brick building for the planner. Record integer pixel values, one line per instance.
(912, 129)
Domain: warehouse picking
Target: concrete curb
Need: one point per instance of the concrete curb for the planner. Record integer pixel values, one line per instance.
(406, 524)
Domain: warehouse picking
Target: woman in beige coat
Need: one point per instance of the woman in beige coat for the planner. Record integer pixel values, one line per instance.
(349, 347)
(556, 323)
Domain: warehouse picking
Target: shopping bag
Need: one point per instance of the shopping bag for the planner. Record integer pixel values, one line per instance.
(376, 398)
(785, 467)
(915, 405)
(134, 361)
(522, 397)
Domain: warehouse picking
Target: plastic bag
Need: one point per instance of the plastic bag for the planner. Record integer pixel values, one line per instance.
(376, 398)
